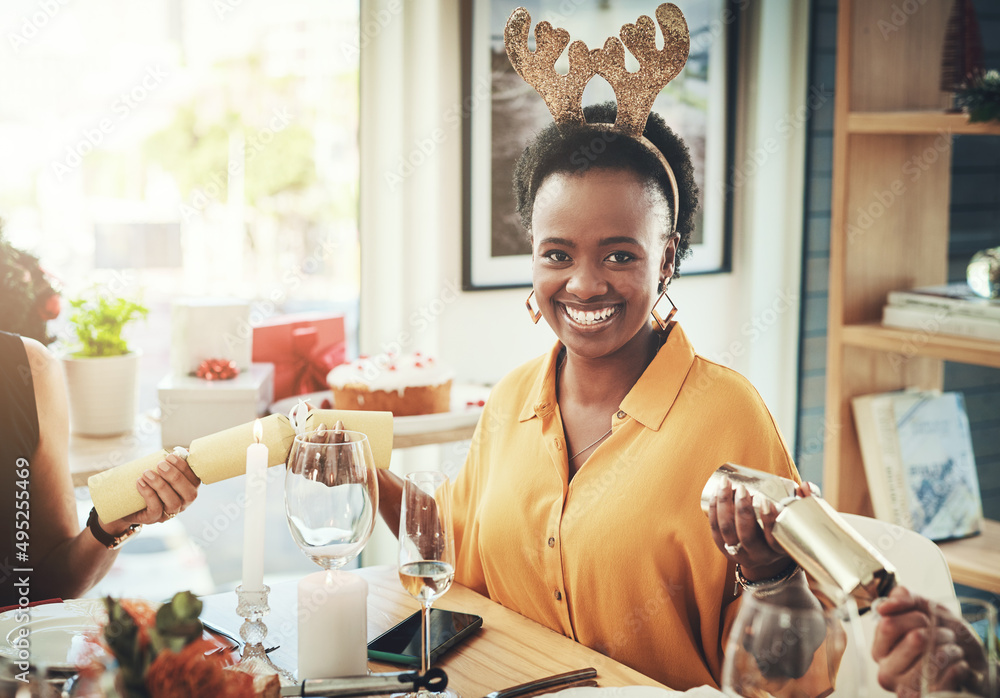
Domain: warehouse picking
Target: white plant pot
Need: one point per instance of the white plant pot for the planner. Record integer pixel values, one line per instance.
(103, 392)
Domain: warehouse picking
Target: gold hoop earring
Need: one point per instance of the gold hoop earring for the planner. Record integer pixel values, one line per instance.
(535, 314)
(663, 322)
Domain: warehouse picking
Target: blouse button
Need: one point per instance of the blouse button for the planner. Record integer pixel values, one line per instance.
(621, 414)
(558, 443)
(558, 595)
(552, 542)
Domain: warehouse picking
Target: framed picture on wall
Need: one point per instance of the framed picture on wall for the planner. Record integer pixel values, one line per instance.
(504, 113)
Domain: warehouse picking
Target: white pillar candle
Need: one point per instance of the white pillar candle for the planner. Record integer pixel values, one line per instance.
(254, 514)
(333, 625)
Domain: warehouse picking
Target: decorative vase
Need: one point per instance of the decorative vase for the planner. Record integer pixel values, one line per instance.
(102, 393)
(983, 273)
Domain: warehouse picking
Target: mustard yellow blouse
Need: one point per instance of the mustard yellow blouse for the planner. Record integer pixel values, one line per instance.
(621, 559)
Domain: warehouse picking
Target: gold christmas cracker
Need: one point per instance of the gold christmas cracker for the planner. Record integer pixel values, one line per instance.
(223, 455)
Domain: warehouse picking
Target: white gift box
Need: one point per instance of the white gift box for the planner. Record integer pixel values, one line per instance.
(209, 328)
(192, 407)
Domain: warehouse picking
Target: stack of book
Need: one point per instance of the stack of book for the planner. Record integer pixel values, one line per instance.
(950, 309)
(917, 452)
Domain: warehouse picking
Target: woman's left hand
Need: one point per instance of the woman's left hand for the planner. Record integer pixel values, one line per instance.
(741, 539)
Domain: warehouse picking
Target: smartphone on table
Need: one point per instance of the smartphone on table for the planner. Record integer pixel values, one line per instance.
(401, 643)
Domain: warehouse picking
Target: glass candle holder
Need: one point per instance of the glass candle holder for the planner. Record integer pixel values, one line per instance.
(252, 607)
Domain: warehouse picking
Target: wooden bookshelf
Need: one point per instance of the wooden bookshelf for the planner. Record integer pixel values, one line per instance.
(889, 230)
(967, 350)
(919, 122)
(975, 561)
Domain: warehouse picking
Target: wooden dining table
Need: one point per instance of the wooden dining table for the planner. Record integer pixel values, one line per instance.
(509, 649)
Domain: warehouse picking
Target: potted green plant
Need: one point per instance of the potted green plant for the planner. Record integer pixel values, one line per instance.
(102, 373)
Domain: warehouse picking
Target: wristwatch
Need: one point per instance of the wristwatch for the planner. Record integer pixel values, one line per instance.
(106, 539)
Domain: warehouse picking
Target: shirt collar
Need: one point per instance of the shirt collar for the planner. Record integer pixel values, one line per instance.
(654, 393)
(544, 388)
(650, 398)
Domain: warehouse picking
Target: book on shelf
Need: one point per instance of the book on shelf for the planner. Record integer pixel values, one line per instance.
(957, 298)
(940, 321)
(916, 447)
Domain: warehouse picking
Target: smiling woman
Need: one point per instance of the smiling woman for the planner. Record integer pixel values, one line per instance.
(579, 502)
(590, 459)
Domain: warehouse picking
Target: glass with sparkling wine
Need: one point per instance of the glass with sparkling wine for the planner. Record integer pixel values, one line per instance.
(426, 552)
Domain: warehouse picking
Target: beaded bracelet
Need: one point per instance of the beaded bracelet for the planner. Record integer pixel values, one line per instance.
(771, 583)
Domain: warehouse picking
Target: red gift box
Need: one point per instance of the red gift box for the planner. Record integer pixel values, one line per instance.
(303, 348)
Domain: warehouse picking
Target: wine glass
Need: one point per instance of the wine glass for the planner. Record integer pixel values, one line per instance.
(786, 642)
(331, 495)
(426, 552)
(965, 633)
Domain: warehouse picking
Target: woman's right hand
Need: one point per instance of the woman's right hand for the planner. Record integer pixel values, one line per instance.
(739, 536)
(168, 489)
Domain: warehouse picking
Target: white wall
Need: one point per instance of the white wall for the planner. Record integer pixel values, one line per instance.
(411, 230)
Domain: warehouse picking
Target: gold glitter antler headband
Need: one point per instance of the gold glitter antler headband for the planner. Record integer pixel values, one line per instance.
(634, 92)
(563, 94)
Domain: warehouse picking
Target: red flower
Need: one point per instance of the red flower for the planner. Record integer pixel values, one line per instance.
(190, 674)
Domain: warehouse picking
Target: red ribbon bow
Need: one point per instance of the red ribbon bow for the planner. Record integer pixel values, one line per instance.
(217, 370)
(312, 363)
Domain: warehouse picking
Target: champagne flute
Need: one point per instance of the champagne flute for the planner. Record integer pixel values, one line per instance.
(787, 643)
(426, 552)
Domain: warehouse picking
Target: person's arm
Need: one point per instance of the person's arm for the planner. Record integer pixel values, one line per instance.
(762, 561)
(390, 497)
(67, 562)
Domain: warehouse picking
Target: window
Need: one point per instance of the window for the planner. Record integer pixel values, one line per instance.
(176, 148)
(185, 148)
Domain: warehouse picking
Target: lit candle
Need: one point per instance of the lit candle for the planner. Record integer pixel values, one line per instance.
(333, 625)
(253, 522)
